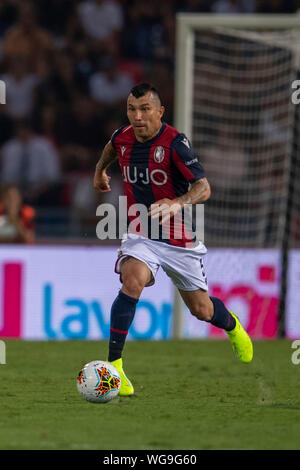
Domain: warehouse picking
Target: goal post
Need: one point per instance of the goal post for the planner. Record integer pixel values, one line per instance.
(233, 83)
(186, 26)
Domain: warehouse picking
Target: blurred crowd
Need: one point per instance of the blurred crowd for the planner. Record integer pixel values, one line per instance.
(68, 66)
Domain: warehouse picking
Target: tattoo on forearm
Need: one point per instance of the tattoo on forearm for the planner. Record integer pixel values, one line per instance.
(197, 194)
(108, 156)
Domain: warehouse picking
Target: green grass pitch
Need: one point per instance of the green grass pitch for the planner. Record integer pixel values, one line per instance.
(188, 395)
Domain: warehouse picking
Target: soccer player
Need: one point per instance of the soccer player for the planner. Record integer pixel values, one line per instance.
(161, 171)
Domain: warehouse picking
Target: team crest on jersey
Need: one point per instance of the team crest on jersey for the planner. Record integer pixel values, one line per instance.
(159, 154)
(123, 150)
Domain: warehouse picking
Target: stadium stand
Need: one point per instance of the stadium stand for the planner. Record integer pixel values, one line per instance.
(67, 65)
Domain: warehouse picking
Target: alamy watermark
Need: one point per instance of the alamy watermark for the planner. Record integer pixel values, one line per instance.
(168, 221)
(2, 352)
(296, 94)
(295, 358)
(2, 92)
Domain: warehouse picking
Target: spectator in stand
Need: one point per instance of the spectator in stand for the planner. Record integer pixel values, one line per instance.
(109, 87)
(102, 21)
(46, 123)
(145, 37)
(16, 218)
(52, 88)
(31, 162)
(54, 16)
(57, 83)
(80, 138)
(20, 88)
(83, 65)
(82, 124)
(27, 39)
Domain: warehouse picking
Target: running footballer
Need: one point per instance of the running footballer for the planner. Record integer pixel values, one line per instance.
(161, 171)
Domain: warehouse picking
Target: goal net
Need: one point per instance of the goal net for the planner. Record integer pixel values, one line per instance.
(240, 118)
(234, 76)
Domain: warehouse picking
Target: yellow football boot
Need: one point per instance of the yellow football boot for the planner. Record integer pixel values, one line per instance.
(126, 388)
(240, 341)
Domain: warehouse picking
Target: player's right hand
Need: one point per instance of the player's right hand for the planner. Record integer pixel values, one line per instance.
(101, 182)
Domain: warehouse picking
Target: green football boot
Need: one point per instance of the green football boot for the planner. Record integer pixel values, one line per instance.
(126, 388)
(240, 341)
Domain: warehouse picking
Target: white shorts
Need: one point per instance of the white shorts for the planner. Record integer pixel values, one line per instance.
(183, 265)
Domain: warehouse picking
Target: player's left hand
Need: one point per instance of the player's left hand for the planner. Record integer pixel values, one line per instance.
(164, 208)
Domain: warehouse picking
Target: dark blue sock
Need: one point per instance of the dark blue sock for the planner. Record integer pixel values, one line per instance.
(222, 318)
(121, 317)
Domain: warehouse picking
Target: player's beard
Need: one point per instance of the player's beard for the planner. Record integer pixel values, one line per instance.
(142, 132)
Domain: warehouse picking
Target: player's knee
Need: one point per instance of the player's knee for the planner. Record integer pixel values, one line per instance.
(202, 311)
(133, 285)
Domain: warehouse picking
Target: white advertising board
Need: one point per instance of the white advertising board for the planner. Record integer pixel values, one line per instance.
(60, 292)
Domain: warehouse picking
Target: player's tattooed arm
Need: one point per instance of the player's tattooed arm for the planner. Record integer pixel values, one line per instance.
(165, 208)
(108, 156)
(101, 179)
(199, 192)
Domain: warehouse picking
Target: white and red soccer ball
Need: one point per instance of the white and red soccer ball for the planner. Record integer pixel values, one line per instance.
(98, 382)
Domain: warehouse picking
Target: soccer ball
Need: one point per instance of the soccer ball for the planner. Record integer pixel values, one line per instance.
(98, 381)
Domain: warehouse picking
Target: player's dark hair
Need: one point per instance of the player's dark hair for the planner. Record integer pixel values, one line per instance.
(142, 89)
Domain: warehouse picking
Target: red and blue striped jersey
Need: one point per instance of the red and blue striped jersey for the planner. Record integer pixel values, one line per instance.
(159, 168)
